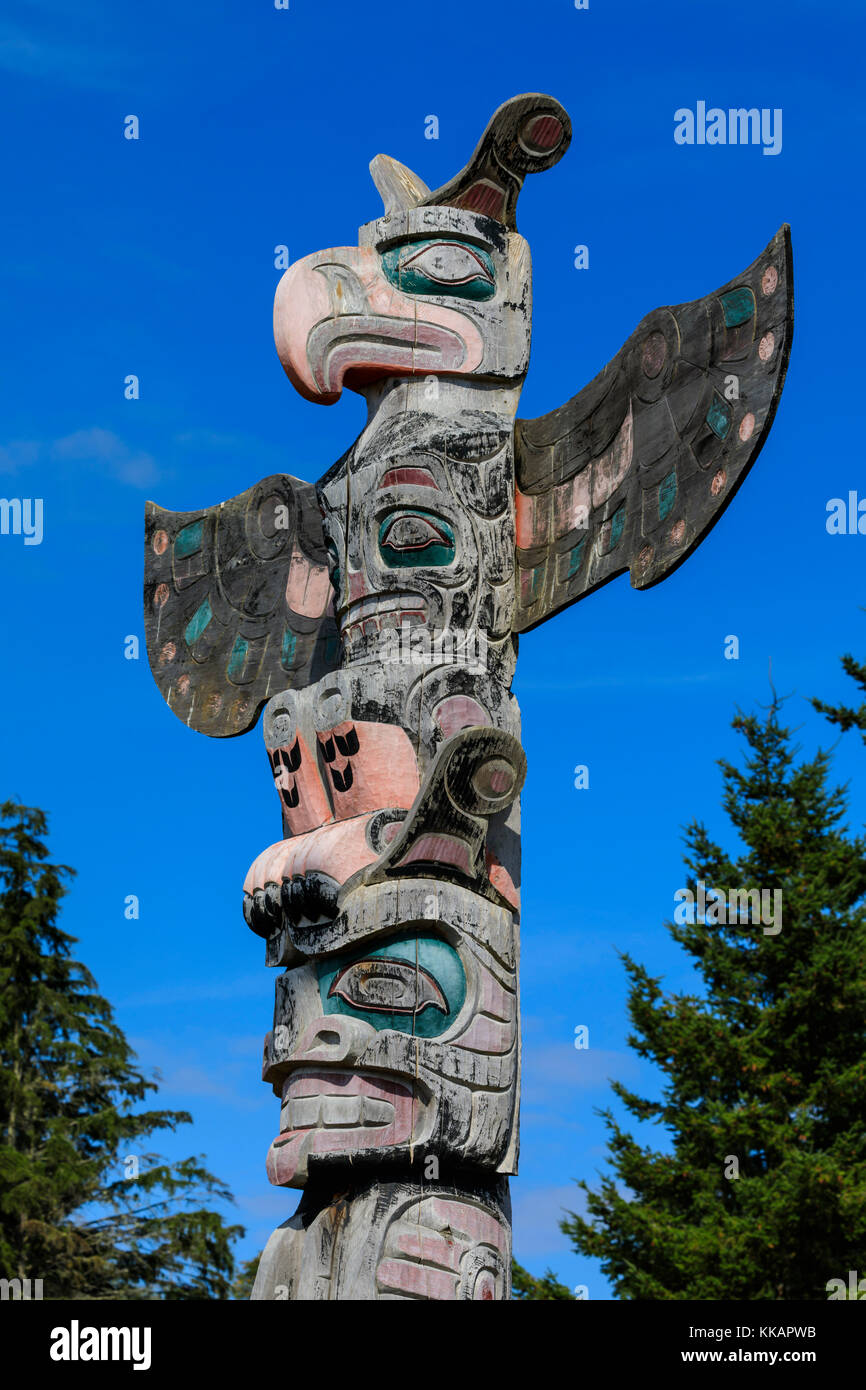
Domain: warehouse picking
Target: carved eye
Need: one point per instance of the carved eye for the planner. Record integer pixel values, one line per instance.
(415, 537)
(448, 263)
(441, 267)
(383, 985)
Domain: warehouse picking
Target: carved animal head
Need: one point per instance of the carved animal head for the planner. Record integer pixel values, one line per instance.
(440, 285)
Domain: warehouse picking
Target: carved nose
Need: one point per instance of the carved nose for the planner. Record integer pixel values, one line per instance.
(334, 1039)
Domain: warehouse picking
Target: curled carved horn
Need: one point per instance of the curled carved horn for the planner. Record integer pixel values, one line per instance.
(526, 135)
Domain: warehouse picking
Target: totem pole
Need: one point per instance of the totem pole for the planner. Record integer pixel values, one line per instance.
(375, 617)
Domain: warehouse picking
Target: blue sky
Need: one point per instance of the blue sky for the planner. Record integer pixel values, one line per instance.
(156, 257)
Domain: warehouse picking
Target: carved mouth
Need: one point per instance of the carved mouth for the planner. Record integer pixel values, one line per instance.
(368, 615)
(380, 346)
(340, 1100)
(336, 1111)
(395, 602)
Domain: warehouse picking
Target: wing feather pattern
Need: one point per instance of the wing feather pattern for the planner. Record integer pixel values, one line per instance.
(634, 470)
(237, 603)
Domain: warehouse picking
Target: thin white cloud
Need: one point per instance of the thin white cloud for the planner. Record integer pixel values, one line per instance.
(94, 449)
(106, 451)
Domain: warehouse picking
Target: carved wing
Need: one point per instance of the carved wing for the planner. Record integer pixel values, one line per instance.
(634, 470)
(237, 603)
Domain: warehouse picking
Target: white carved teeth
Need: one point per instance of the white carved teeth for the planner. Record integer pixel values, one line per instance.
(385, 603)
(337, 1112)
(341, 1112)
(377, 1112)
(303, 1112)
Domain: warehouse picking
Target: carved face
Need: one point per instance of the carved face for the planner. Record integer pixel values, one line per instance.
(398, 1042)
(420, 529)
(439, 291)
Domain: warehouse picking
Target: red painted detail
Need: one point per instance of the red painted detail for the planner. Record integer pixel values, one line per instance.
(440, 849)
(502, 880)
(429, 1247)
(312, 806)
(384, 767)
(487, 1036)
(406, 1277)
(769, 280)
(308, 586)
(484, 197)
(545, 133)
(571, 504)
(357, 584)
(292, 1146)
(532, 518)
(470, 1220)
(496, 780)
(494, 1000)
(767, 346)
(416, 477)
(460, 712)
(338, 849)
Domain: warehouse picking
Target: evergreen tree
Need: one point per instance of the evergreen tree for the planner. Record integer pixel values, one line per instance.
(843, 715)
(526, 1287)
(80, 1207)
(245, 1278)
(764, 1070)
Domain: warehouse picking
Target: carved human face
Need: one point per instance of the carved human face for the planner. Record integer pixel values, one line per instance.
(398, 1042)
(420, 530)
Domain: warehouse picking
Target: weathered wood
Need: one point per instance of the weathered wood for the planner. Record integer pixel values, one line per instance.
(392, 1241)
(392, 898)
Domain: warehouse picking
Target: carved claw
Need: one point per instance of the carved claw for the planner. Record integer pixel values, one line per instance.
(476, 774)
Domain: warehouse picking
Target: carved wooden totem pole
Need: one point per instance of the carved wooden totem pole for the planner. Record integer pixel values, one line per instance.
(375, 617)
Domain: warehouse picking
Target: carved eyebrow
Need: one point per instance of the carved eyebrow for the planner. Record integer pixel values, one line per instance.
(447, 243)
(433, 236)
(419, 477)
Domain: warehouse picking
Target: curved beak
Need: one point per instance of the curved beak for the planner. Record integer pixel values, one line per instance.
(338, 322)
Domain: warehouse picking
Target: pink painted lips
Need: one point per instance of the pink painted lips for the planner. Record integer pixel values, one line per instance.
(333, 1111)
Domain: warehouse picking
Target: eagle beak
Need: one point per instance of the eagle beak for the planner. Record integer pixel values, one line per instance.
(338, 322)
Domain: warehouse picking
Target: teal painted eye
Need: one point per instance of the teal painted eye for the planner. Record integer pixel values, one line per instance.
(413, 537)
(389, 986)
(441, 267)
(413, 984)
